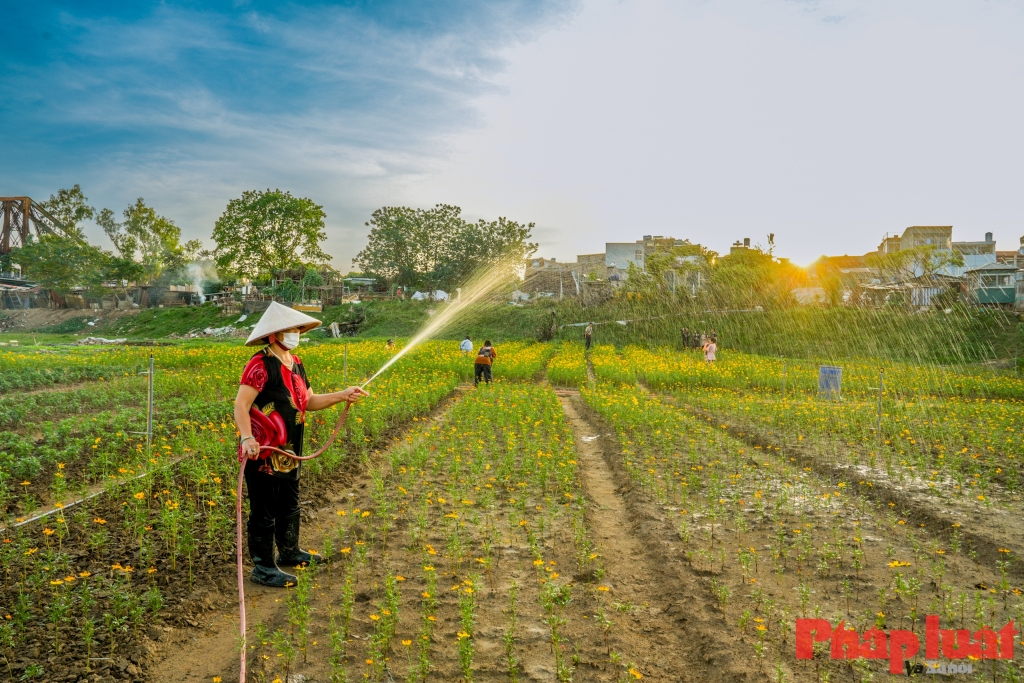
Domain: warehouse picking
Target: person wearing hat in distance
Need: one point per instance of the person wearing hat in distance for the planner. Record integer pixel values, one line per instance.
(275, 381)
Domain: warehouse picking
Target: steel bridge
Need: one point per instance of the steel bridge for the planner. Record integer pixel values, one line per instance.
(21, 217)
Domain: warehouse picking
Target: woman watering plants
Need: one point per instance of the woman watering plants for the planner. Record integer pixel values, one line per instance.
(275, 382)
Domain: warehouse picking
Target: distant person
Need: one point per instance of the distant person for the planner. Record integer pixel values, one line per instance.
(588, 335)
(482, 365)
(695, 342)
(390, 345)
(466, 346)
(710, 348)
(685, 334)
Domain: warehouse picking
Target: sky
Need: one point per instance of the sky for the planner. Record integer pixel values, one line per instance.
(828, 123)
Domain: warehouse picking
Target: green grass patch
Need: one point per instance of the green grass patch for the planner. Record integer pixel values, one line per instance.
(153, 323)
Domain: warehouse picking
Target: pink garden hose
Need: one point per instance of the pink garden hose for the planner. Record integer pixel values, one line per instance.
(238, 519)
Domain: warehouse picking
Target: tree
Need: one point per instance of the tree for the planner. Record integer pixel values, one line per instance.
(70, 208)
(925, 261)
(61, 265)
(263, 232)
(436, 247)
(751, 277)
(147, 238)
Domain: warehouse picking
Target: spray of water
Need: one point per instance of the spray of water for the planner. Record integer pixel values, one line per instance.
(477, 288)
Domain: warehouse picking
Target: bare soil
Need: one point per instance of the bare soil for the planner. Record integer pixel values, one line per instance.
(27, 320)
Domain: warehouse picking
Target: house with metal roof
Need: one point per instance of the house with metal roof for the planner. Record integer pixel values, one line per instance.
(992, 284)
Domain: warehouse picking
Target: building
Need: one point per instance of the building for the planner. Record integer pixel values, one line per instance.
(548, 277)
(614, 263)
(1014, 258)
(939, 236)
(992, 284)
(738, 246)
(889, 244)
(618, 256)
(973, 254)
(541, 264)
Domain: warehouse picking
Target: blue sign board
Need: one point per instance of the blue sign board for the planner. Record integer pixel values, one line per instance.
(830, 382)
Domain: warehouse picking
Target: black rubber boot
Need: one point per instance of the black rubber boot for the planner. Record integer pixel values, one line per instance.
(266, 573)
(289, 554)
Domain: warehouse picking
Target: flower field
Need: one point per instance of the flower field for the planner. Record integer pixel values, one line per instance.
(568, 367)
(772, 541)
(616, 515)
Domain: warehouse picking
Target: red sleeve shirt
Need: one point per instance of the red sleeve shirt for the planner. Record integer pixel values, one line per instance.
(255, 373)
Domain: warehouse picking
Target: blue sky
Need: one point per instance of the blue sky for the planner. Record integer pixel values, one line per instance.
(827, 122)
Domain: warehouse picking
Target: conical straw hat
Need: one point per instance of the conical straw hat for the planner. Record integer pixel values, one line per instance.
(278, 317)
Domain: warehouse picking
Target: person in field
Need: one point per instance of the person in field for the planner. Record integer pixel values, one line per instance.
(588, 335)
(466, 346)
(482, 364)
(710, 349)
(275, 382)
(390, 345)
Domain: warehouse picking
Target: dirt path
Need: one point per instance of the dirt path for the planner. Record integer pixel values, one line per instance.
(655, 622)
(686, 628)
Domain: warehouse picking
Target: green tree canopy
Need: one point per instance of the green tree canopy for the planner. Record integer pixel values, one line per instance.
(436, 247)
(62, 265)
(264, 232)
(70, 207)
(147, 238)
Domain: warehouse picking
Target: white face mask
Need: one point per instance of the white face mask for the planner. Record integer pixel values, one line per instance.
(289, 340)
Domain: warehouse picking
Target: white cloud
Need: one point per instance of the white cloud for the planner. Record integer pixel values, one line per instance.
(719, 121)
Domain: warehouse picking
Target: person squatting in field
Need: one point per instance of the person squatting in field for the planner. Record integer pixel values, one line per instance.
(482, 364)
(274, 381)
